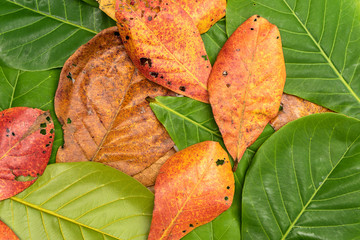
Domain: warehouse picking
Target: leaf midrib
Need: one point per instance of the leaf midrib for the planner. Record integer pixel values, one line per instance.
(52, 17)
(331, 64)
(42, 210)
(185, 118)
(316, 191)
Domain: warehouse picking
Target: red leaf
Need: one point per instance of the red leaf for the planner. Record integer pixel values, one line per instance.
(6, 233)
(193, 187)
(26, 137)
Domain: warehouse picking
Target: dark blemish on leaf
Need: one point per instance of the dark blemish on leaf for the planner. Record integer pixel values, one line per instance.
(277, 37)
(205, 57)
(7, 135)
(48, 119)
(69, 76)
(74, 65)
(184, 231)
(251, 29)
(162, 77)
(117, 34)
(228, 85)
(169, 82)
(43, 131)
(142, 13)
(207, 66)
(226, 198)
(225, 73)
(212, 19)
(127, 37)
(13, 134)
(191, 225)
(43, 125)
(220, 162)
(154, 74)
(144, 61)
(44, 151)
(258, 16)
(254, 4)
(228, 187)
(149, 18)
(47, 145)
(255, 20)
(50, 137)
(68, 120)
(7, 130)
(52, 130)
(182, 88)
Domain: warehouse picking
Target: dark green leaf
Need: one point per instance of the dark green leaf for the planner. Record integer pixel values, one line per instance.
(189, 122)
(39, 35)
(214, 39)
(31, 89)
(304, 182)
(321, 42)
(80, 201)
(93, 3)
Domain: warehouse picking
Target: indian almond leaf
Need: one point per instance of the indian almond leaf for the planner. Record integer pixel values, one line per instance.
(293, 108)
(101, 105)
(6, 232)
(198, 126)
(31, 89)
(163, 42)
(40, 35)
(84, 200)
(321, 42)
(304, 182)
(26, 137)
(204, 13)
(246, 83)
(193, 187)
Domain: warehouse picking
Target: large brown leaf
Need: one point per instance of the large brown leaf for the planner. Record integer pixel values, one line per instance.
(6, 233)
(163, 42)
(193, 187)
(293, 108)
(26, 138)
(101, 104)
(203, 13)
(246, 83)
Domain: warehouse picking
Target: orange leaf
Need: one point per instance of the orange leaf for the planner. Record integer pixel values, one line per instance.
(193, 187)
(100, 101)
(294, 108)
(163, 42)
(26, 137)
(6, 233)
(204, 13)
(246, 83)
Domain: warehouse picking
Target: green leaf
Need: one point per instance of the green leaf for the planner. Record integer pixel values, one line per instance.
(214, 39)
(304, 182)
(80, 201)
(31, 89)
(40, 35)
(93, 3)
(321, 42)
(189, 122)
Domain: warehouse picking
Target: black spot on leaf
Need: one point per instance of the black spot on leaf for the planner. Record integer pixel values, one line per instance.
(182, 88)
(220, 162)
(154, 74)
(144, 61)
(43, 131)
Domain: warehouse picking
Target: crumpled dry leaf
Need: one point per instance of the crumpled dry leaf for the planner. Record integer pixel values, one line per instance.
(100, 101)
(163, 42)
(193, 187)
(6, 233)
(246, 83)
(203, 13)
(26, 138)
(293, 108)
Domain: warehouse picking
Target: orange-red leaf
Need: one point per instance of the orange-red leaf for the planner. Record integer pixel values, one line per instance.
(246, 83)
(204, 13)
(193, 187)
(26, 137)
(163, 42)
(100, 101)
(6, 233)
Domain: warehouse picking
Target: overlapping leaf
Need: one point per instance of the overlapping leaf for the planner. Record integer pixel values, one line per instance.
(101, 104)
(321, 41)
(26, 137)
(39, 35)
(246, 83)
(309, 182)
(6, 232)
(80, 201)
(163, 42)
(31, 89)
(193, 187)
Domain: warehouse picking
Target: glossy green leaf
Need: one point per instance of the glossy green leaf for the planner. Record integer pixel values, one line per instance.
(189, 122)
(80, 201)
(321, 43)
(214, 39)
(93, 3)
(304, 182)
(39, 35)
(31, 89)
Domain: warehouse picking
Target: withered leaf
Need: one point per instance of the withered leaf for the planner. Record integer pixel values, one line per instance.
(193, 187)
(246, 83)
(100, 101)
(163, 42)
(6, 233)
(293, 108)
(26, 138)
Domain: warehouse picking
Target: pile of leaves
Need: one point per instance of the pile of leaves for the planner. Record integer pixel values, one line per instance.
(106, 104)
